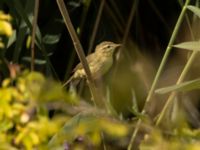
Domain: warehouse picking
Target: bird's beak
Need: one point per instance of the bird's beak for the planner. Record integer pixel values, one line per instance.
(118, 45)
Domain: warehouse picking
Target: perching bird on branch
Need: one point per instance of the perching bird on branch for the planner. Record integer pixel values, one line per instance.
(100, 61)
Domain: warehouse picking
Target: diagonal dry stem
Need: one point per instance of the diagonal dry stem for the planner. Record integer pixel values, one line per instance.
(79, 50)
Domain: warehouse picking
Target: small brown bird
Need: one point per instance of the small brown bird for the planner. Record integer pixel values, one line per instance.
(99, 61)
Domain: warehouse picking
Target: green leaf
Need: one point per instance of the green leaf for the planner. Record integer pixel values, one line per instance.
(86, 126)
(194, 9)
(36, 61)
(51, 39)
(186, 86)
(19, 43)
(192, 45)
(53, 91)
(5, 125)
(26, 18)
(67, 133)
(17, 7)
(11, 39)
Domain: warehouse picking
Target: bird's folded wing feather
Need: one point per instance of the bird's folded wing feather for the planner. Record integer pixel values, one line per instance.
(88, 58)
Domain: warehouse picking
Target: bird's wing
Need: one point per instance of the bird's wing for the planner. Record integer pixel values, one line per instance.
(88, 58)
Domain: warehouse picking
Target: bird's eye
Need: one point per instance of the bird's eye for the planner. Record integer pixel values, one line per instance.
(108, 46)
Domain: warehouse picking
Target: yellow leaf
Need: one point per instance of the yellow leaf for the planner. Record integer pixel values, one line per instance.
(34, 137)
(1, 45)
(95, 138)
(6, 82)
(28, 42)
(6, 94)
(4, 16)
(5, 28)
(114, 128)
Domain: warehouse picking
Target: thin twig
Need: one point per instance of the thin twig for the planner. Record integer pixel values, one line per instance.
(127, 30)
(156, 10)
(130, 20)
(117, 11)
(188, 21)
(36, 9)
(94, 32)
(126, 34)
(96, 25)
(119, 26)
(80, 52)
(84, 16)
(160, 69)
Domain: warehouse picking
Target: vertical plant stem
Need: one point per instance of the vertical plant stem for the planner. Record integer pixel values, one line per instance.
(119, 25)
(127, 29)
(128, 26)
(80, 52)
(36, 9)
(96, 25)
(160, 69)
(84, 16)
(94, 32)
(167, 52)
(156, 10)
(180, 79)
(188, 21)
(130, 145)
(115, 9)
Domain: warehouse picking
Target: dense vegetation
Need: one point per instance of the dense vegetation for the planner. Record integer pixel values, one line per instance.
(148, 100)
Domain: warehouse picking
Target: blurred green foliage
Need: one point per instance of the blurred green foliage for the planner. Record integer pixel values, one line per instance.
(21, 121)
(24, 124)
(91, 130)
(184, 139)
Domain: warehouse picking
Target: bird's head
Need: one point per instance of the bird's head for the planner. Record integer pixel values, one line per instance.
(107, 48)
